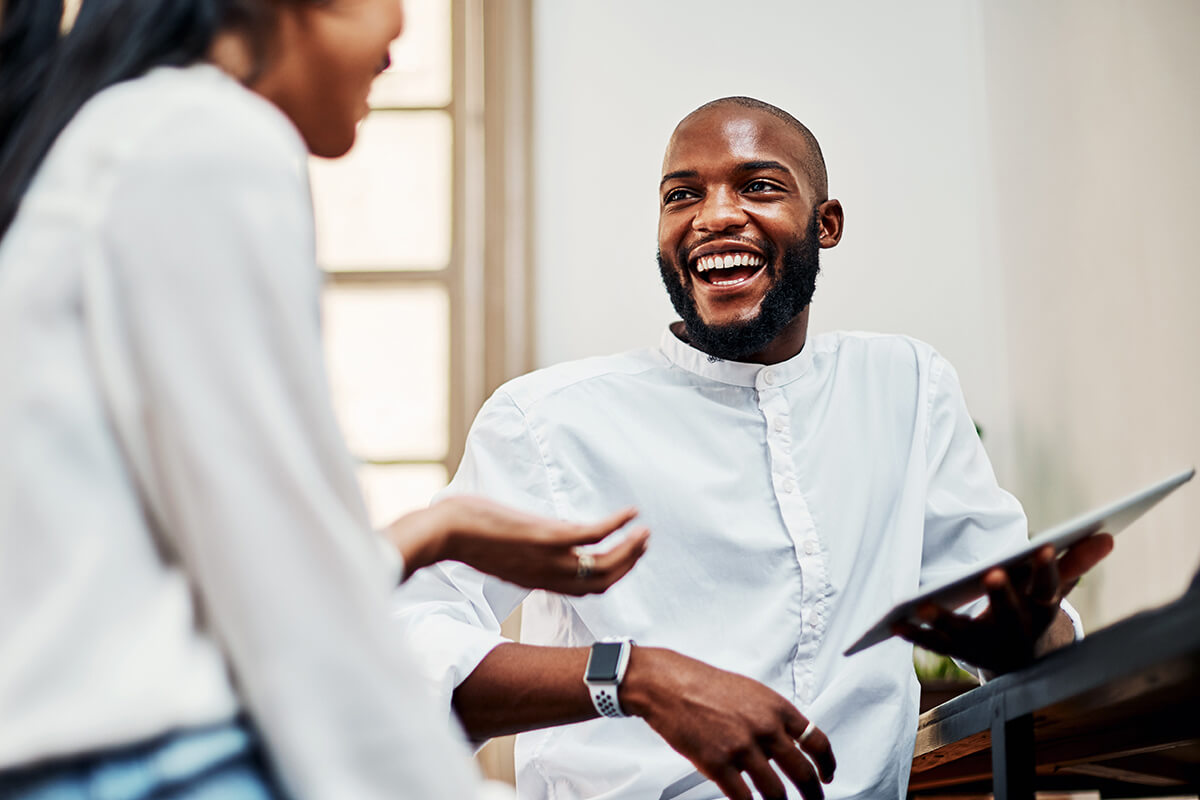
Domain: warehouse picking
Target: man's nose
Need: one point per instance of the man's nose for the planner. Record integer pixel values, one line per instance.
(719, 211)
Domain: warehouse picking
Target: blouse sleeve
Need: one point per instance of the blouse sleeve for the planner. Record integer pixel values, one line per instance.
(209, 258)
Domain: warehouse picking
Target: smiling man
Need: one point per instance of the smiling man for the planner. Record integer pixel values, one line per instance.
(796, 486)
(740, 229)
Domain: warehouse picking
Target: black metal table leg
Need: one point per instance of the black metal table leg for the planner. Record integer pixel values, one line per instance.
(1012, 755)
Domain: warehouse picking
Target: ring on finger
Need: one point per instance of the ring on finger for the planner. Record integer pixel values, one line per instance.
(585, 564)
(808, 731)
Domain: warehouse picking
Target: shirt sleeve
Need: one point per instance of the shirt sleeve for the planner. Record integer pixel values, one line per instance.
(969, 519)
(450, 612)
(208, 244)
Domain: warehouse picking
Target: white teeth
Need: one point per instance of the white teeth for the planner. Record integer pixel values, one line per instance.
(727, 261)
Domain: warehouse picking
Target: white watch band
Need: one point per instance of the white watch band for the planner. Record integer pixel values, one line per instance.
(603, 688)
(604, 698)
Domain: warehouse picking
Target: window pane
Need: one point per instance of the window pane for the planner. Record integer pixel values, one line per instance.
(389, 366)
(420, 70)
(386, 205)
(393, 490)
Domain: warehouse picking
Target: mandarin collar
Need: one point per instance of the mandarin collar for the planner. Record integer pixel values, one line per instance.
(736, 373)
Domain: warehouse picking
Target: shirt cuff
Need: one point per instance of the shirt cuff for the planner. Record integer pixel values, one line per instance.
(446, 651)
(1076, 622)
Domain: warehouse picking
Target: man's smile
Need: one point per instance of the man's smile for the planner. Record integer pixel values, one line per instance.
(726, 264)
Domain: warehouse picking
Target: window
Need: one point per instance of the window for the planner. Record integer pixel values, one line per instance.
(425, 306)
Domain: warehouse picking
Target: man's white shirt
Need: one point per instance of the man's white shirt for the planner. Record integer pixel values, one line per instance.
(789, 505)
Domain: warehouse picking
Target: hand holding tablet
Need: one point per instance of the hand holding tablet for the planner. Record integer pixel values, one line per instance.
(1017, 584)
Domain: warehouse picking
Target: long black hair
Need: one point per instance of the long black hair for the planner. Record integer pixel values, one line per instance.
(45, 77)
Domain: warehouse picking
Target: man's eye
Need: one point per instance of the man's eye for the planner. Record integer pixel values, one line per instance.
(675, 195)
(760, 186)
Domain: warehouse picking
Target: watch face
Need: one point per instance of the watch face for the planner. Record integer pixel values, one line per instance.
(602, 666)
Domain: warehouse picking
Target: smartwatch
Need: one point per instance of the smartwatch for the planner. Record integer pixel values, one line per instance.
(605, 669)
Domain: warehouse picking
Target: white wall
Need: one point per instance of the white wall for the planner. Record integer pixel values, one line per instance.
(1096, 124)
(890, 90)
(1020, 182)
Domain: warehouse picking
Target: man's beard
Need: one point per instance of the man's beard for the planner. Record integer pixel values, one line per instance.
(793, 290)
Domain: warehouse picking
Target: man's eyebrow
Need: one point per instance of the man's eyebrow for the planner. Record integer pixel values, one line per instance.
(752, 166)
(745, 166)
(679, 173)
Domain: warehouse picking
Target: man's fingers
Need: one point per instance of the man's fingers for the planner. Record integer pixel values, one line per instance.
(729, 780)
(1005, 605)
(1082, 556)
(947, 622)
(755, 765)
(814, 742)
(929, 638)
(1044, 582)
(799, 770)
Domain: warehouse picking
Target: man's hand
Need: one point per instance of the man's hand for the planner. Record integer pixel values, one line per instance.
(726, 724)
(1023, 604)
(530, 551)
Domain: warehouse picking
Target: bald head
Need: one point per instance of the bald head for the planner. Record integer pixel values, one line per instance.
(809, 153)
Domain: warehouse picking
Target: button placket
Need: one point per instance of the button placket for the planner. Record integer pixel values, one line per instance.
(810, 557)
(797, 520)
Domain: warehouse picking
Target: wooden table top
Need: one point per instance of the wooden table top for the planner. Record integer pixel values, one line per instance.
(1118, 712)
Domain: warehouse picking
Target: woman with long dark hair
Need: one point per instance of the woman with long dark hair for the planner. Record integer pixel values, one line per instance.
(185, 563)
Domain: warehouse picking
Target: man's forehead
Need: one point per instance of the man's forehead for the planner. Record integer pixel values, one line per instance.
(732, 133)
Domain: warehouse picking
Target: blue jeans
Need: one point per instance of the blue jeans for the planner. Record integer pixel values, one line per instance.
(221, 762)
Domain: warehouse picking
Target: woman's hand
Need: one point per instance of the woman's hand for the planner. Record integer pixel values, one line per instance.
(530, 551)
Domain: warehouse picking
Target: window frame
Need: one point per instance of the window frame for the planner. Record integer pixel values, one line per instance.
(487, 275)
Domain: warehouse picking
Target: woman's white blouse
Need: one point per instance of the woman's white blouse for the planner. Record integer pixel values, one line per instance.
(181, 534)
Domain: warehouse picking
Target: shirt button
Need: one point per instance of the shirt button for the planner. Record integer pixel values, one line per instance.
(779, 425)
(820, 606)
(789, 486)
(810, 547)
(768, 377)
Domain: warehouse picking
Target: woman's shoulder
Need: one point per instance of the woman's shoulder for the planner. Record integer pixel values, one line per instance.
(189, 125)
(199, 107)
(175, 116)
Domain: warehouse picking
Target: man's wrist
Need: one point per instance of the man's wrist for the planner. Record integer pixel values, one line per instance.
(1060, 633)
(607, 664)
(636, 691)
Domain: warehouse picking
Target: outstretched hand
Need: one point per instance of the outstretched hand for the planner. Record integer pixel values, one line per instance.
(528, 550)
(1023, 604)
(727, 725)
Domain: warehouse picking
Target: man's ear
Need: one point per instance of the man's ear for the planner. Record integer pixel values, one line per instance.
(830, 222)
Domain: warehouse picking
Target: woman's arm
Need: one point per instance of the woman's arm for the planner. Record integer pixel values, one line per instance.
(530, 551)
(208, 245)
